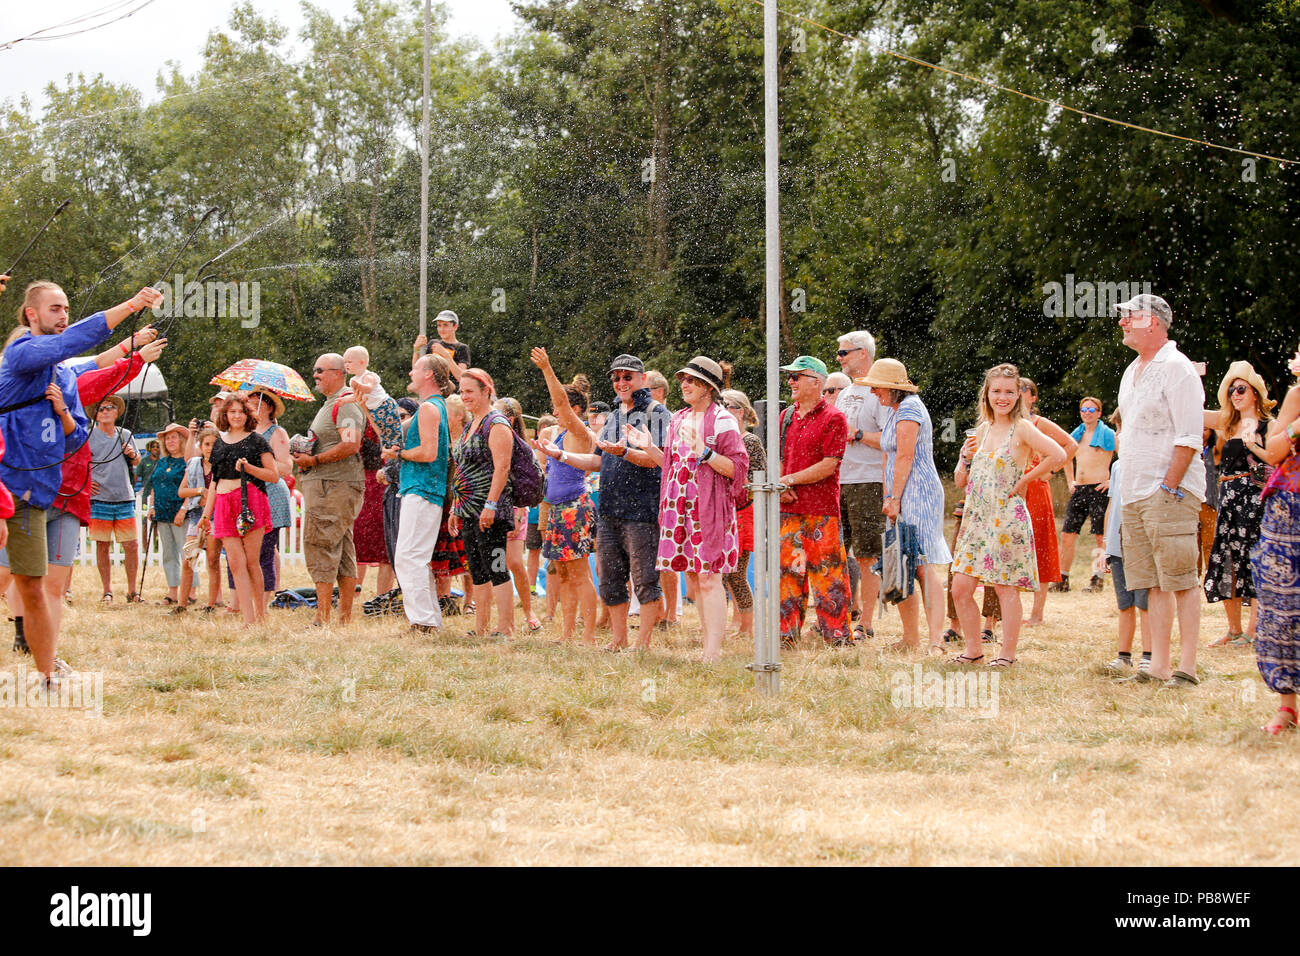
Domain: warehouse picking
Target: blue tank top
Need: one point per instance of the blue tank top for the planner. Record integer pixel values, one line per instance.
(564, 483)
(428, 479)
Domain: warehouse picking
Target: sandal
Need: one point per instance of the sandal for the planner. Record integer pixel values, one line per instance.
(860, 634)
(167, 602)
(107, 598)
(935, 650)
(534, 625)
(1002, 663)
(950, 636)
(1227, 639)
(963, 659)
(134, 598)
(1275, 729)
(987, 637)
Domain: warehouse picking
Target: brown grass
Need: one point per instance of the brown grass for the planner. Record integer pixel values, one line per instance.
(368, 745)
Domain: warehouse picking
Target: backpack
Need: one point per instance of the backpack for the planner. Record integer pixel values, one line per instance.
(526, 482)
(526, 479)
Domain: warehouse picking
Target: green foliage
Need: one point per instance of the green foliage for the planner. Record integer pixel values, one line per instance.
(596, 186)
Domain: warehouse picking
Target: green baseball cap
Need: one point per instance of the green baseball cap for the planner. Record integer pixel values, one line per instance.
(806, 363)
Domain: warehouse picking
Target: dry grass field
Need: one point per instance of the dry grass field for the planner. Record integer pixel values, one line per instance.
(369, 745)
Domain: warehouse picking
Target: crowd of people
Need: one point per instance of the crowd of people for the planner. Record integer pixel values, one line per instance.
(446, 493)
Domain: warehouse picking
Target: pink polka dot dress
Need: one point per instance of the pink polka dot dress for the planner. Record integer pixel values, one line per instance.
(680, 532)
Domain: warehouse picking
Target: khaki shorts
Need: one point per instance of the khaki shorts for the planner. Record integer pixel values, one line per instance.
(1160, 542)
(330, 508)
(27, 545)
(861, 518)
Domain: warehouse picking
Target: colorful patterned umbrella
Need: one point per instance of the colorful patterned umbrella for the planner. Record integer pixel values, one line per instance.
(248, 374)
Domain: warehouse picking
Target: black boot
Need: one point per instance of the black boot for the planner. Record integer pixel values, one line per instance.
(20, 640)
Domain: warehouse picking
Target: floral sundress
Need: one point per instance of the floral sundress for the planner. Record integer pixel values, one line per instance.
(996, 543)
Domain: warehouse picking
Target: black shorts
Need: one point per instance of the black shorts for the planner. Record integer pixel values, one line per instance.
(1086, 502)
(485, 551)
(533, 542)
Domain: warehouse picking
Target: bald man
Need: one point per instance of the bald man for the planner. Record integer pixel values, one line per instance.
(333, 487)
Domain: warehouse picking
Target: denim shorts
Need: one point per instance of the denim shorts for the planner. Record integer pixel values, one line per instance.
(1123, 596)
(627, 548)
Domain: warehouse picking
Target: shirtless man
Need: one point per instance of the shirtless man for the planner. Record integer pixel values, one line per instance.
(1088, 475)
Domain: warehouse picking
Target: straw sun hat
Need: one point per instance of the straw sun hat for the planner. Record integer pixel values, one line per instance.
(887, 373)
(1246, 372)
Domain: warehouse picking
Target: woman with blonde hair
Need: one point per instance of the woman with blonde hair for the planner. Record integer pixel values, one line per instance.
(996, 544)
(1240, 426)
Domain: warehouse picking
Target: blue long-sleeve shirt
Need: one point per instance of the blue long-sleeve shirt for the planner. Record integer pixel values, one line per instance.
(35, 445)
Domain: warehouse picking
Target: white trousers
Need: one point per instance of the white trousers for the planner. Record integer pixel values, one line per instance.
(417, 535)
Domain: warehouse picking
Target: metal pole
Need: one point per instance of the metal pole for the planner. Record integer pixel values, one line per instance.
(767, 576)
(424, 178)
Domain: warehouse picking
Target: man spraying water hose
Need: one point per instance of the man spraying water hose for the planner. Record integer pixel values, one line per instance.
(39, 431)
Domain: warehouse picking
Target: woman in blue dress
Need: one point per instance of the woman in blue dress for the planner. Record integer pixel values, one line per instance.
(1275, 562)
(913, 494)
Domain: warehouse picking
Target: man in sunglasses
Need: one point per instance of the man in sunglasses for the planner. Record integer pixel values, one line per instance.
(1161, 401)
(862, 475)
(812, 552)
(627, 515)
(333, 485)
(1088, 476)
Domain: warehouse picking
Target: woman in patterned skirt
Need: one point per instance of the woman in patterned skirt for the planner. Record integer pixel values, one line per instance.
(912, 492)
(1276, 563)
(704, 462)
(1239, 427)
(571, 515)
(996, 545)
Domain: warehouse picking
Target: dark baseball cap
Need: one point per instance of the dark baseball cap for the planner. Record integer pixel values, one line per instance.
(628, 363)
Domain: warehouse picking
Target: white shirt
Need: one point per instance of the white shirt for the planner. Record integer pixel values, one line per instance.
(861, 463)
(1164, 410)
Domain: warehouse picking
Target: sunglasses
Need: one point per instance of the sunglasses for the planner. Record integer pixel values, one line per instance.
(621, 376)
(832, 391)
(321, 371)
(733, 408)
(843, 352)
(1239, 390)
(1089, 408)
(795, 376)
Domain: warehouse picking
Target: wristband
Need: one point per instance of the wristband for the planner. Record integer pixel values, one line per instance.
(490, 506)
(857, 436)
(1173, 491)
(126, 346)
(706, 456)
(564, 457)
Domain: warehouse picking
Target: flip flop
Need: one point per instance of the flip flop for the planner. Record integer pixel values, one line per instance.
(963, 659)
(534, 625)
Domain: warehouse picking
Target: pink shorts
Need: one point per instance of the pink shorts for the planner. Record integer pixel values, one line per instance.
(227, 508)
(521, 526)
